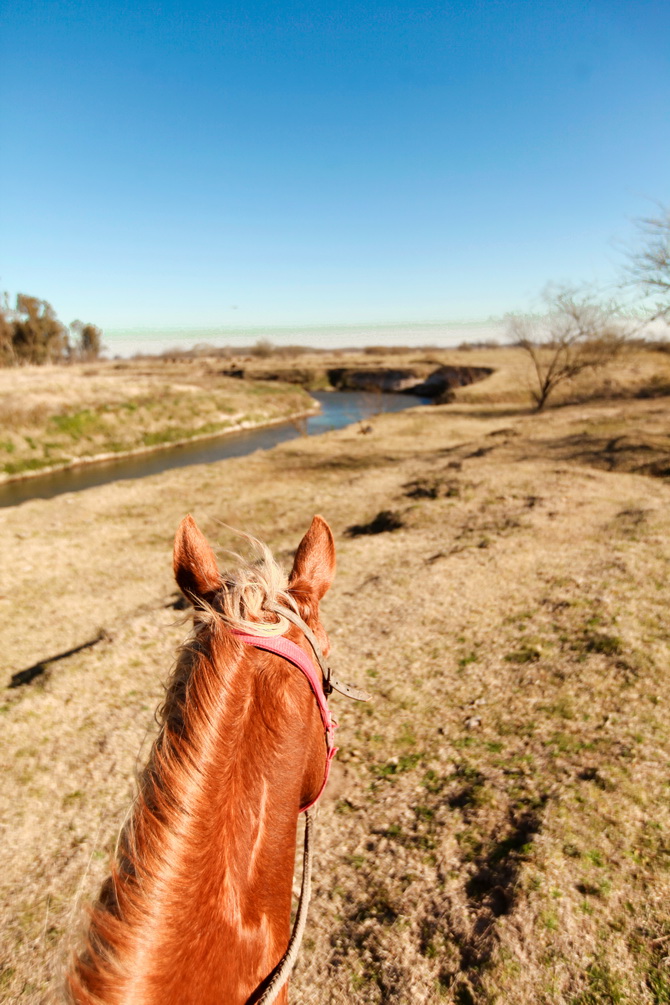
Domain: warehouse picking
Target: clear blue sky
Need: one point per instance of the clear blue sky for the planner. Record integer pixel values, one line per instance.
(195, 163)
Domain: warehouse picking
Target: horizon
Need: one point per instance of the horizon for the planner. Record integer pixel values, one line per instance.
(420, 334)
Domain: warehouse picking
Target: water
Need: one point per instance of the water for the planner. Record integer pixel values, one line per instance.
(338, 409)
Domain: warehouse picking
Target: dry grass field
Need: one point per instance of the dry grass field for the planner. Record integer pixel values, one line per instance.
(497, 829)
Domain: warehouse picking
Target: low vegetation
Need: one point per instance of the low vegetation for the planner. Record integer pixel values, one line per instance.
(495, 829)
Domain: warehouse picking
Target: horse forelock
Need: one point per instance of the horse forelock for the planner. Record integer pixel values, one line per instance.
(248, 597)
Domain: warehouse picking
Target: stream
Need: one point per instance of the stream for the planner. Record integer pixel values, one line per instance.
(338, 409)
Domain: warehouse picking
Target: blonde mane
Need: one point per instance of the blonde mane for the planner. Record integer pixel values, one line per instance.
(249, 595)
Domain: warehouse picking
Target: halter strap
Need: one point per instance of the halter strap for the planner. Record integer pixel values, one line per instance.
(321, 685)
(331, 683)
(298, 657)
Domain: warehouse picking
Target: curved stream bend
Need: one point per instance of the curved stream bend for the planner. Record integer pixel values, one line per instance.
(338, 409)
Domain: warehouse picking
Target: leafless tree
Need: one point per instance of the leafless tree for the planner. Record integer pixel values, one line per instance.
(649, 264)
(576, 333)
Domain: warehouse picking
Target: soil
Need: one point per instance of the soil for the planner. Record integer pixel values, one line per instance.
(496, 828)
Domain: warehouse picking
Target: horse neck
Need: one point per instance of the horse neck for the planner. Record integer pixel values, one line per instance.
(197, 909)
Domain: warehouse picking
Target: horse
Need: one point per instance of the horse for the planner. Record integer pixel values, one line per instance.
(197, 907)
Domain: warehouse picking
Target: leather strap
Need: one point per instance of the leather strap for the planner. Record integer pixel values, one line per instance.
(331, 683)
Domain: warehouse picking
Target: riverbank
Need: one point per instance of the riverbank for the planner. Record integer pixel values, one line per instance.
(338, 409)
(474, 374)
(196, 438)
(54, 418)
(494, 825)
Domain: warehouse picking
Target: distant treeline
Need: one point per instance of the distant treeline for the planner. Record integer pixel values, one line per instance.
(264, 348)
(31, 333)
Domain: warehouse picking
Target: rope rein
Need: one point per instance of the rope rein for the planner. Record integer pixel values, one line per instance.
(282, 971)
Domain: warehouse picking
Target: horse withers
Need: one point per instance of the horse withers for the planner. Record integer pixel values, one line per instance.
(197, 907)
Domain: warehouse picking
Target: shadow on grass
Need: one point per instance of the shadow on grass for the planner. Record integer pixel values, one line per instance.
(642, 454)
(385, 521)
(28, 675)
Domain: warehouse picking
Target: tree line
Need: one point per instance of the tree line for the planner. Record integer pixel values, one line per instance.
(31, 333)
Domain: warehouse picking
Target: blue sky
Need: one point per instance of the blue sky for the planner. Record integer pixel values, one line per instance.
(197, 164)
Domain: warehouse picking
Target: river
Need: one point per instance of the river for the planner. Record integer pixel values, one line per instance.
(338, 409)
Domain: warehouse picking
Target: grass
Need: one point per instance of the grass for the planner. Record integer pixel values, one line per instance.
(31, 464)
(496, 828)
(78, 425)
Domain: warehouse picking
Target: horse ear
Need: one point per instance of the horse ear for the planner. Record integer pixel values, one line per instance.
(194, 562)
(314, 562)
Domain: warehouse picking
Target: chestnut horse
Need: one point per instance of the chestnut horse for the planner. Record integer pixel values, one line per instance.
(197, 907)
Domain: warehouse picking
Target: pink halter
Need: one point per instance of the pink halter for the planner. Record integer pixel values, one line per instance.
(298, 657)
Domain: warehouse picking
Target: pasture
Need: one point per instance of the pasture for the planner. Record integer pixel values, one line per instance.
(496, 827)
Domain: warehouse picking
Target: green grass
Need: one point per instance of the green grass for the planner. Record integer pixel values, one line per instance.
(173, 434)
(396, 766)
(31, 464)
(600, 642)
(78, 425)
(525, 654)
(604, 988)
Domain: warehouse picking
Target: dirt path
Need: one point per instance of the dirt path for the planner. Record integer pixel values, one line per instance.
(497, 827)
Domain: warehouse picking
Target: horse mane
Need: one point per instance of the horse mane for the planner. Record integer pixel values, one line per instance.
(160, 842)
(247, 597)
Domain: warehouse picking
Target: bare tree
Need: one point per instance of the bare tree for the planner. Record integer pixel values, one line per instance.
(649, 265)
(576, 333)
